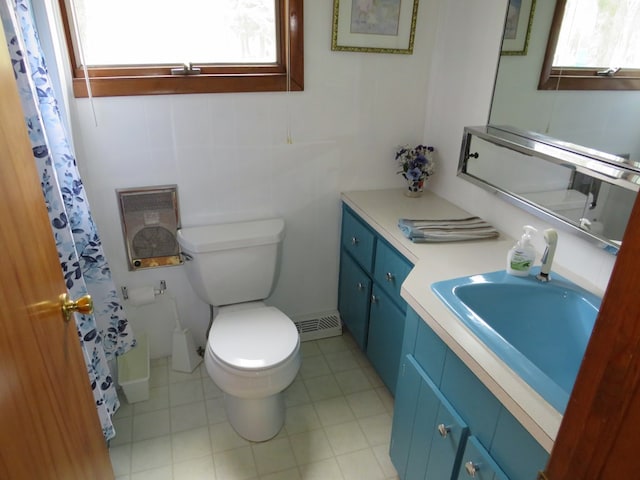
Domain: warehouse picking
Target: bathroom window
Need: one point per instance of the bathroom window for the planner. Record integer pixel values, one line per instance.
(139, 47)
(593, 45)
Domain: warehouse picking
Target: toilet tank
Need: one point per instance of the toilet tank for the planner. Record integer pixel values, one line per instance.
(571, 204)
(233, 262)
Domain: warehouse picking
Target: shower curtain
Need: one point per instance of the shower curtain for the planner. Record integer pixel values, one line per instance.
(106, 333)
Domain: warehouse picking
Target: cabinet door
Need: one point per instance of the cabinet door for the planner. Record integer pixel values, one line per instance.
(404, 416)
(354, 291)
(422, 437)
(477, 464)
(386, 330)
(432, 432)
(449, 437)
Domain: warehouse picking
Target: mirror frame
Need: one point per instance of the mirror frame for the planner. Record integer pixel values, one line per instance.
(608, 168)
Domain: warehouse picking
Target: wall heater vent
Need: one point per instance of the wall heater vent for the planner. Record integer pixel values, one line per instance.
(150, 219)
(319, 325)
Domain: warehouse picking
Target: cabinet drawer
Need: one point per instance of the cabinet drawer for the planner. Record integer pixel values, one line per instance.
(390, 271)
(358, 240)
(478, 464)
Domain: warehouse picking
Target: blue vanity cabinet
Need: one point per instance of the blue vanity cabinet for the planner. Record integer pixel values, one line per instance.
(429, 433)
(508, 443)
(369, 301)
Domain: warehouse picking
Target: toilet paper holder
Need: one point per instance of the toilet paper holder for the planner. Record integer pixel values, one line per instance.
(157, 291)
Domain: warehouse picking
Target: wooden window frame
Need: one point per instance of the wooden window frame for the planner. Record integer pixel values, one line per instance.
(287, 74)
(555, 78)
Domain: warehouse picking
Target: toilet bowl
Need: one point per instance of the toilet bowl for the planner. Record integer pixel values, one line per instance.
(253, 350)
(254, 372)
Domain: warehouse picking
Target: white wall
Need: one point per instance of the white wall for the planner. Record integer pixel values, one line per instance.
(228, 154)
(460, 94)
(229, 157)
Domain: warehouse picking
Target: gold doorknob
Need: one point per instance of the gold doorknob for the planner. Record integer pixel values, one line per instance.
(82, 305)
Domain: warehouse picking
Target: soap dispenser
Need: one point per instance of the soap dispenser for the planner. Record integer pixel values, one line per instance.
(521, 257)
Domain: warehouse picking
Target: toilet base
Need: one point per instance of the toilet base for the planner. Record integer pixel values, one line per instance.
(255, 419)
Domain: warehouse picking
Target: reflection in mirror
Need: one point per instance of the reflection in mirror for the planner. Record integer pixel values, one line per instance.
(570, 188)
(608, 121)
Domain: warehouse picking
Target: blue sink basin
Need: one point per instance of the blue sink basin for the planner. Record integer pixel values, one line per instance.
(540, 330)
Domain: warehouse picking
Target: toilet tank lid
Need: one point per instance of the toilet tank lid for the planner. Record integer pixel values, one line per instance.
(211, 238)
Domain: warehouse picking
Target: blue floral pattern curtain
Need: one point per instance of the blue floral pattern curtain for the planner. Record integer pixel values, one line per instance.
(106, 333)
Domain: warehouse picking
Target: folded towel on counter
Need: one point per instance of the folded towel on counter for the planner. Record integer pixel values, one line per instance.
(446, 230)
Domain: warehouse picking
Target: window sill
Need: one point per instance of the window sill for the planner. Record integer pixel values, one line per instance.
(167, 85)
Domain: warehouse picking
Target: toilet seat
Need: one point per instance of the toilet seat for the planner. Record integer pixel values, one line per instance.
(254, 338)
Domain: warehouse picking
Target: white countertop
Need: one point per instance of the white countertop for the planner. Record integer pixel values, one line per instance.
(441, 261)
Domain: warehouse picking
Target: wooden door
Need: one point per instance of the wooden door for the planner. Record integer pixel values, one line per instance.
(49, 427)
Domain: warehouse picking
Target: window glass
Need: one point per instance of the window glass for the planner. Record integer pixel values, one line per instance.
(599, 33)
(157, 32)
(593, 45)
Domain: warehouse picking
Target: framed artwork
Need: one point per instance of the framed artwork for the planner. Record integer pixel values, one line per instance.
(517, 27)
(378, 26)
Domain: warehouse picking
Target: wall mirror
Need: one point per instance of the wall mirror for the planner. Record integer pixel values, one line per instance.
(575, 188)
(550, 151)
(606, 120)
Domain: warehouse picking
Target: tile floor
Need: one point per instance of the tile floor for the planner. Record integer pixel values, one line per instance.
(337, 426)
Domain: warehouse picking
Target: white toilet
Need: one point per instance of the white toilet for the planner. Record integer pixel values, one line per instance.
(253, 351)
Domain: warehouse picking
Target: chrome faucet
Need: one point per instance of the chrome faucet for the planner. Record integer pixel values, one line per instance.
(551, 239)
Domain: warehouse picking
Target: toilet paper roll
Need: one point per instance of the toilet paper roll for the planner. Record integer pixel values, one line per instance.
(141, 296)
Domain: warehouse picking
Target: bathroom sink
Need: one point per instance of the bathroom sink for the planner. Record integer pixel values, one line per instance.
(540, 330)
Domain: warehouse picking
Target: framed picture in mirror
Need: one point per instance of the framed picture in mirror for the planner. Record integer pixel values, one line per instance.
(377, 26)
(517, 29)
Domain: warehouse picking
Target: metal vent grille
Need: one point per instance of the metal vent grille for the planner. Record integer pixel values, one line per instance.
(147, 201)
(319, 326)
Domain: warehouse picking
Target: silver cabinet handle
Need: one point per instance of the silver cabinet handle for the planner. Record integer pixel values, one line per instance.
(390, 277)
(443, 430)
(360, 286)
(471, 468)
(374, 299)
(354, 241)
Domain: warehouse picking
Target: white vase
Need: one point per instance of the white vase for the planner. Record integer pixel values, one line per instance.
(414, 188)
